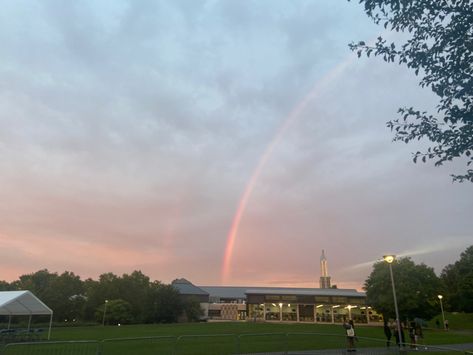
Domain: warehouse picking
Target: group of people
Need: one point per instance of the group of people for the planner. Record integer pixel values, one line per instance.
(445, 324)
(391, 329)
(414, 330)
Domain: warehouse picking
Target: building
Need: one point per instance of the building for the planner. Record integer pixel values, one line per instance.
(288, 304)
(326, 304)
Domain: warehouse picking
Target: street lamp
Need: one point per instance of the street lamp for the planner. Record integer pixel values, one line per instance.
(443, 314)
(389, 259)
(104, 313)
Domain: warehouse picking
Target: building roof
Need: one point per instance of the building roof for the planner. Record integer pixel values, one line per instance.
(185, 287)
(22, 303)
(240, 292)
(306, 291)
(235, 292)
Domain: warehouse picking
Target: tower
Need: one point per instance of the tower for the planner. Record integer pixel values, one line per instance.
(324, 278)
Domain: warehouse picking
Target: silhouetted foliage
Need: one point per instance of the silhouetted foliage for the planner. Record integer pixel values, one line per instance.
(168, 305)
(458, 283)
(440, 50)
(114, 312)
(131, 298)
(417, 288)
(192, 309)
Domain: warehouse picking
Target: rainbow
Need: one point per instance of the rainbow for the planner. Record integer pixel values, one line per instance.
(287, 123)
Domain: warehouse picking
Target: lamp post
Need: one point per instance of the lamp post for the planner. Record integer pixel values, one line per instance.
(104, 312)
(443, 314)
(389, 259)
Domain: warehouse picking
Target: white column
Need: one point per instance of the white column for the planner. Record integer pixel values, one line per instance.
(333, 317)
(297, 312)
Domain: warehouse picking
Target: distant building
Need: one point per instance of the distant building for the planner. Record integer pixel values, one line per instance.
(324, 281)
(313, 305)
(282, 304)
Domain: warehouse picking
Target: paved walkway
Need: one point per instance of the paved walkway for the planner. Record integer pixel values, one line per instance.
(461, 348)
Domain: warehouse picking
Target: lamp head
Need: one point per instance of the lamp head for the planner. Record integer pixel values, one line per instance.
(389, 258)
(440, 297)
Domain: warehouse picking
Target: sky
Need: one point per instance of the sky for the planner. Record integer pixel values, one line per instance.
(227, 142)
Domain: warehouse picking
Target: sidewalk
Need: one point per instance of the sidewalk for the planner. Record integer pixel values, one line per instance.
(460, 348)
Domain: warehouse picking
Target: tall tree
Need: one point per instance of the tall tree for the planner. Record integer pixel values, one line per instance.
(458, 283)
(417, 288)
(67, 296)
(56, 291)
(135, 289)
(168, 305)
(439, 48)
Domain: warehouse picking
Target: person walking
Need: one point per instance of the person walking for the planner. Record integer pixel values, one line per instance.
(351, 336)
(419, 334)
(399, 337)
(387, 333)
(412, 335)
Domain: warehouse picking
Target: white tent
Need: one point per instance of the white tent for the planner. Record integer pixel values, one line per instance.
(23, 303)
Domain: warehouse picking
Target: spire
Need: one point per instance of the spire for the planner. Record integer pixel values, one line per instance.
(323, 265)
(324, 278)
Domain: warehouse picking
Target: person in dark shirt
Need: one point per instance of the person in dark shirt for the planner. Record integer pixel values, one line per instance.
(387, 333)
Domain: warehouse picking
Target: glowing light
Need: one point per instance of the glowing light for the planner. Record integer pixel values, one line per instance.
(389, 258)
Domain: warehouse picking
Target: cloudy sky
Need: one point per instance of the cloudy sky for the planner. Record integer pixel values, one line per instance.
(227, 142)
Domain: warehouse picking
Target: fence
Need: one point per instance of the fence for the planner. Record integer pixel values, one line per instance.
(218, 344)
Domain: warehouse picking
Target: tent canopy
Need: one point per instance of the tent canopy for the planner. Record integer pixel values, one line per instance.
(22, 303)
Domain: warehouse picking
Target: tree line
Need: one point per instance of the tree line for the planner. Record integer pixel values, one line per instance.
(134, 298)
(112, 299)
(418, 288)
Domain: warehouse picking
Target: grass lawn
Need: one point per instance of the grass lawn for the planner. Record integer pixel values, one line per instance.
(456, 320)
(224, 338)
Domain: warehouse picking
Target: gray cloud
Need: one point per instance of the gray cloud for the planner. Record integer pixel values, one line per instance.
(133, 127)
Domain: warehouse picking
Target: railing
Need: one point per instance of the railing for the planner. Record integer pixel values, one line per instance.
(79, 347)
(257, 343)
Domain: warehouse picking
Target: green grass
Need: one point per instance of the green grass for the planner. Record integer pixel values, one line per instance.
(456, 321)
(223, 338)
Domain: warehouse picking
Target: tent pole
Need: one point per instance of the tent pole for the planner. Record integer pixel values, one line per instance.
(29, 323)
(9, 321)
(50, 325)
